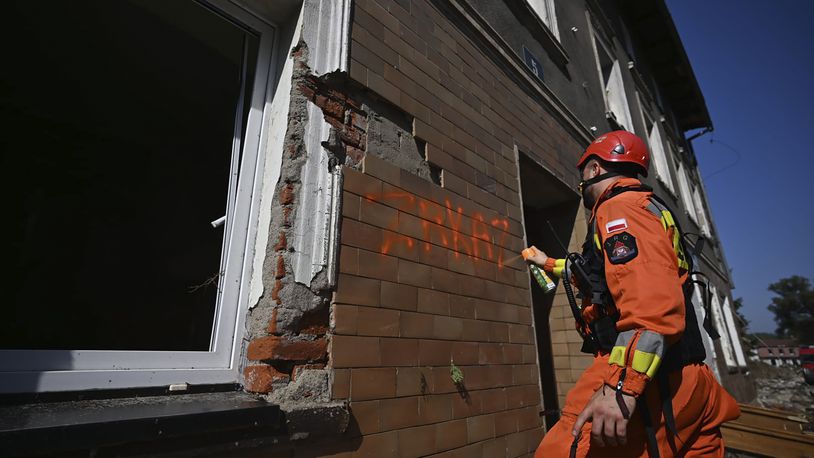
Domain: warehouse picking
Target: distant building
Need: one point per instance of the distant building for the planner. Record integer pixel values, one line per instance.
(778, 352)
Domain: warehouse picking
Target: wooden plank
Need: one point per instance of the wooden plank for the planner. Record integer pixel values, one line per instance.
(768, 432)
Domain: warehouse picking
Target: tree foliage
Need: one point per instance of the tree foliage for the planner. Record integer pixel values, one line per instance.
(747, 339)
(736, 307)
(793, 308)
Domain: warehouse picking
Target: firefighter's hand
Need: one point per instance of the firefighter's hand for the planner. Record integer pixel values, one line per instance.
(609, 426)
(535, 255)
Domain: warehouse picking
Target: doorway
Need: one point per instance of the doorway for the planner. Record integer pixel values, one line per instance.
(549, 210)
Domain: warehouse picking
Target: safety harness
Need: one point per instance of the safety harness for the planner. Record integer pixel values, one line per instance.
(600, 335)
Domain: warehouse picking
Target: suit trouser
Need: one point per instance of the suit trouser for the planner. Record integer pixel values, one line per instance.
(700, 405)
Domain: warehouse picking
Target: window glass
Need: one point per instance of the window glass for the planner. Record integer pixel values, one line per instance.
(686, 193)
(545, 10)
(657, 150)
(119, 121)
(613, 86)
(720, 326)
(701, 211)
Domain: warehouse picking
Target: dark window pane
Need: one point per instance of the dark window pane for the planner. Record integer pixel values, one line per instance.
(117, 120)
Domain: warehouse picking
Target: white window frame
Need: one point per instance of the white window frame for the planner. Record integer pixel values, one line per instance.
(656, 144)
(547, 14)
(701, 210)
(686, 192)
(720, 324)
(709, 344)
(729, 316)
(71, 370)
(613, 91)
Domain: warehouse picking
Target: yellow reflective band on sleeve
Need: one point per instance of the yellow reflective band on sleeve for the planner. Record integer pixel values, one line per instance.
(617, 356)
(598, 243)
(559, 266)
(645, 363)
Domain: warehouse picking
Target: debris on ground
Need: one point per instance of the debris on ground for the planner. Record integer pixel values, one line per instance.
(783, 388)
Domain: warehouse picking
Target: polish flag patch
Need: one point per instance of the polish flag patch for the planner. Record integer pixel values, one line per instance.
(616, 225)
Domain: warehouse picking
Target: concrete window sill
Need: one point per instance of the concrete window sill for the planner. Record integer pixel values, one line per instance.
(149, 421)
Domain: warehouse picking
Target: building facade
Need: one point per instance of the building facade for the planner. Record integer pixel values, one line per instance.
(319, 206)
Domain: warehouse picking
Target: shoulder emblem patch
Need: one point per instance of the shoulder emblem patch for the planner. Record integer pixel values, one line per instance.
(621, 248)
(616, 225)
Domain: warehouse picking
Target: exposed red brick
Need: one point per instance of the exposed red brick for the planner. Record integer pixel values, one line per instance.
(353, 137)
(355, 153)
(306, 90)
(353, 104)
(358, 120)
(272, 326)
(293, 150)
(315, 322)
(330, 107)
(287, 217)
(301, 367)
(333, 93)
(259, 378)
(336, 123)
(275, 292)
(280, 273)
(287, 194)
(282, 242)
(282, 348)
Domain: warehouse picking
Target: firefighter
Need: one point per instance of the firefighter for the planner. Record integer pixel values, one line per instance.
(647, 391)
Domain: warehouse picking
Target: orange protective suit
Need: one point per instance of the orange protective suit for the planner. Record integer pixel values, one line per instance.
(645, 281)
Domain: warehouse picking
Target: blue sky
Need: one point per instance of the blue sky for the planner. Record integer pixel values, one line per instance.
(754, 61)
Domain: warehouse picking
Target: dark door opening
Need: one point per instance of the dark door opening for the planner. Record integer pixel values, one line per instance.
(547, 204)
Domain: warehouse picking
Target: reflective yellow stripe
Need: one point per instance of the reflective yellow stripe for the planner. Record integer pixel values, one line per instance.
(596, 240)
(667, 222)
(668, 218)
(617, 356)
(645, 363)
(559, 266)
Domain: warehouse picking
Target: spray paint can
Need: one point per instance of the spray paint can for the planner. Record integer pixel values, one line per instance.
(539, 274)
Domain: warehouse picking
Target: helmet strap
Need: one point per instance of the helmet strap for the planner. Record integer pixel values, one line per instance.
(587, 183)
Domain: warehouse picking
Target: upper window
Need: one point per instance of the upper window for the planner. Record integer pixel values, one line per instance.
(132, 129)
(656, 144)
(701, 211)
(545, 10)
(723, 330)
(613, 87)
(685, 190)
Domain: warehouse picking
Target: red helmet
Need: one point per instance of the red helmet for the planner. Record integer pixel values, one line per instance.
(618, 146)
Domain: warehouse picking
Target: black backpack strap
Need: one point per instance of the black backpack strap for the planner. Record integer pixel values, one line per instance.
(649, 430)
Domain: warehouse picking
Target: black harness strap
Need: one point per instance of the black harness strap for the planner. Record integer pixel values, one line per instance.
(667, 409)
(649, 430)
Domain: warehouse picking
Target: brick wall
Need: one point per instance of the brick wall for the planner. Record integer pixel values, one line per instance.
(431, 274)
(419, 288)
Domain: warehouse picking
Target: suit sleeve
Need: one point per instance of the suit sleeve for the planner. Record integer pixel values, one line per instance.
(554, 266)
(641, 269)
